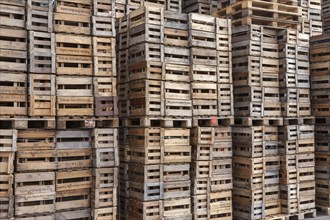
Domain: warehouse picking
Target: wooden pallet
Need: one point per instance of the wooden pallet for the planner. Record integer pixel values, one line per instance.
(41, 51)
(37, 189)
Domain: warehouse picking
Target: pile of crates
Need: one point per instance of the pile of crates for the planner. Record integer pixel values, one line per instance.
(320, 84)
(326, 15)
(168, 84)
(58, 112)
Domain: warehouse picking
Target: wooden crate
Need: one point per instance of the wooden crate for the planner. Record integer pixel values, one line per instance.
(32, 140)
(73, 180)
(296, 132)
(213, 205)
(172, 190)
(199, 57)
(14, 39)
(80, 213)
(8, 140)
(13, 105)
(14, 60)
(105, 157)
(145, 191)
(146, 33)
(74, 7)
(256, 165)
(105, 177)
(74, 55)
(105, 137)
(104, 56)
(144, 137)
(67, 106)
(292, 162)
(177, 73)
(12, 15)
(72, 199)
(7, 162)
(104, 213)
(145, 210)
(104, 8)
(176, 55)
(211, 169)
(6, 187)
(103, 26)
(39, 17)
(297, 146)
(146, 52)
(145, 155)
(204, 73)
(41, 52)
(106, 106)
(145, 70)
(145, 107)
(6, 207)
(179, 208)
(72, 23)
(147, 14)
(74, 158)
(104, 197)
(34, 193)
(27, 160)
(175, 29)
(105, 86)
(73, 139)
(13, 83)
(41, 85)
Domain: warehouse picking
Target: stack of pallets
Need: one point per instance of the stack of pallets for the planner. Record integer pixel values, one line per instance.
(326, 16)
(282, 14)
(320, 84)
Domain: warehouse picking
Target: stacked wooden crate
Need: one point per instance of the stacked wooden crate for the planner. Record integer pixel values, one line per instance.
(257, 106)
(166, 84)
(297, 134)
(155, 156)
(325, 4)
(311, 17)
(206, 7)
(211, 89)
(320, 84)
(272, 106)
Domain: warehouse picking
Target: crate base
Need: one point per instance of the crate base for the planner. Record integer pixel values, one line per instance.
(158, 122)
(299, 121)
(302, 215)
(250, 121)
(212, 121)
(323, 209)
(27, 123)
